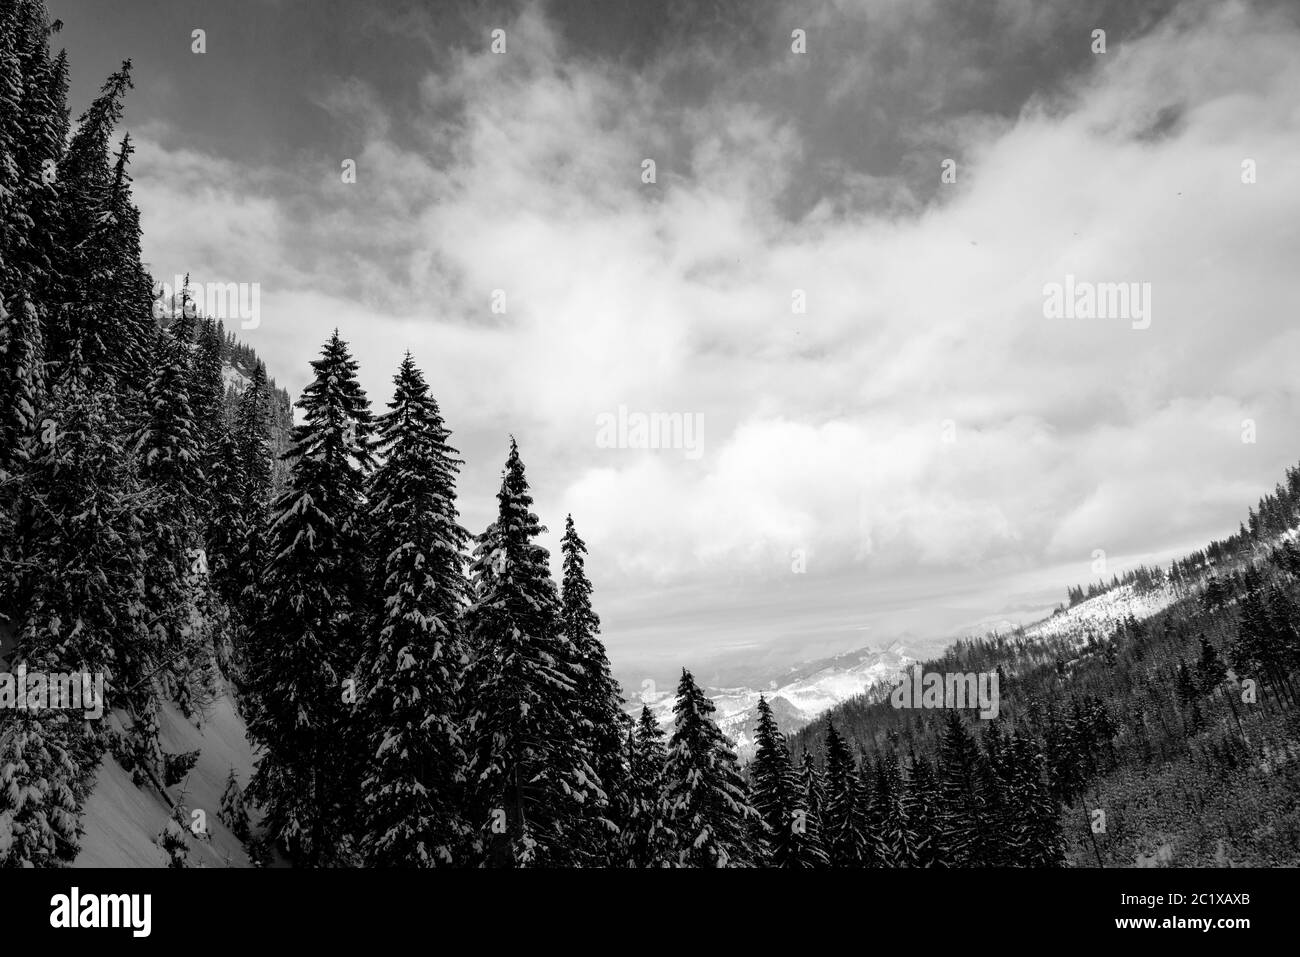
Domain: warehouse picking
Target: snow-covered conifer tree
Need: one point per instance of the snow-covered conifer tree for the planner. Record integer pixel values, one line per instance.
(413, 656)
(529, 773)
(785, 835)
(603, 724)
(704, 795)
(302, 661)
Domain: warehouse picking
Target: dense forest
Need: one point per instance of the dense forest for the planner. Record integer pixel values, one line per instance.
(1171, 739)
(425, 697)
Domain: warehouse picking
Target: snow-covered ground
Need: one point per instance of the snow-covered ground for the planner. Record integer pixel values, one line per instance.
(233, 378)
(1098, 617)
(122, 821)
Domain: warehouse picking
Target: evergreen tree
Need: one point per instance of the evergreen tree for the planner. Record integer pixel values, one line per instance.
(228, 510)
(529, 772)
(896, 839)
(78, 510)
(85, 251)
(869, 813)
(1033, 824)
(40, 155)
(845, 829)
(1211, 672)
(38, 803)
(11, 91)
(813, 788)
(603, 725)
(964, 785)
(704, 795)
(234, 813)
(779, 800)
(33, 133)
(176, 573)
(414, 653)
(22, 379)
(126, 289)
(209, 381)
(1000, 809)
(305, 647)
(920, 800)
(253, 447)
(168, 441)
(1064, 761)
(211, 426)
(172, 840)
(33, 124)
(645, 835)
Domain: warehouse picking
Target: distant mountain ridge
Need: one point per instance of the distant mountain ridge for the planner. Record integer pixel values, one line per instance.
(797, 696)
(813, 691)
(1075, 632)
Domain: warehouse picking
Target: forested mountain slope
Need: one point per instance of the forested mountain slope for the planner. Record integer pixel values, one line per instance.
(1164, 707)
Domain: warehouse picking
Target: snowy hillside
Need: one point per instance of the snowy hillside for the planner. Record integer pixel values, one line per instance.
(122, 821)
(1098, 617)
(233, 378)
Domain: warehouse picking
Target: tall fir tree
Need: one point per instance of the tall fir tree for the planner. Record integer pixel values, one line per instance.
(414, 655)
(920, 803)
(88, 246)
(79, 510)
(305, 650)
(176, 574)
(209, 377)
(964, 783)
(253, 447)
(46, 124)
(1065, 762)
(11, 91)
(1033, 824)
(779, 800)
(603, 725)
(1000, 809)
(33, 131)
(22, 379)
(845, 828)
(895, 837)
(168, 441)
(646, 838)
(529, 773)
(227, 508)
(77, 506)
(208, 400)
(126, 293)
(813, 787)
(33, 128)
(704, 795)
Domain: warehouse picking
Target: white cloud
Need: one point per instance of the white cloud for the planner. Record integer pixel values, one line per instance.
(823, 431)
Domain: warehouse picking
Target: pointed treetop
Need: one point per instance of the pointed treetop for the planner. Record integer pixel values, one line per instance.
(105, 111)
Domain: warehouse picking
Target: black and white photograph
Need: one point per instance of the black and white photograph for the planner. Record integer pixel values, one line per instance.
(858, 438)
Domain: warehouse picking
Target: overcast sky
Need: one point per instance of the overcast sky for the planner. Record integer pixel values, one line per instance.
(923, 442)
